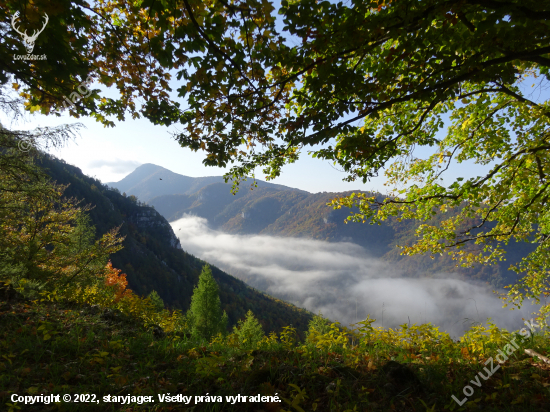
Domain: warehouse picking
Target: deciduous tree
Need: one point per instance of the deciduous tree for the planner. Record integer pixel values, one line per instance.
(261, 97)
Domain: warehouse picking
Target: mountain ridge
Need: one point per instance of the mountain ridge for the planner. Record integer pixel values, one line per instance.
(153, 259)
(272, 210)
(149, 180)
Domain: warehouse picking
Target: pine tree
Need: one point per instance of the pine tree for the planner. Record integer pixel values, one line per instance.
(205, 314)
(319, 324)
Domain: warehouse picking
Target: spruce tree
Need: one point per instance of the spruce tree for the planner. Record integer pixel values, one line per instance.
(319, 325)
(156, 300)
(205, 314)
(249, 332)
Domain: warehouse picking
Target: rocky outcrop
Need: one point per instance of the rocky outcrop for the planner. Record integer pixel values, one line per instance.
(148, 218)
(174, 241)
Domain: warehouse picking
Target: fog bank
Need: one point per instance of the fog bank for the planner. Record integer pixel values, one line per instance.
(343, 282)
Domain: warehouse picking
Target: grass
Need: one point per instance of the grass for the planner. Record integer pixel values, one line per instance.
(61, 348)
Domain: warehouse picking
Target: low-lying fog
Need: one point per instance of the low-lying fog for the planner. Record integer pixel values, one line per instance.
(343, 282)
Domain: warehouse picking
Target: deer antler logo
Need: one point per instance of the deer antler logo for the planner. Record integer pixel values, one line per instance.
(28, 40)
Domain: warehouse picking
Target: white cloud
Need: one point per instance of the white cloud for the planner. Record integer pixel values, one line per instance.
(115, 165)
(335, 277)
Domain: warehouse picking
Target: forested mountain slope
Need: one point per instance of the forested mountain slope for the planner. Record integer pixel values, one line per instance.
(296, 213)
(152, 257)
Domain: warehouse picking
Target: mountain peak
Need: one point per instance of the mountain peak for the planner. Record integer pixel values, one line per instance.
(149, 180)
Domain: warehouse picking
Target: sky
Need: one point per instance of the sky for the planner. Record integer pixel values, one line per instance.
(344, 283)
(110, 154)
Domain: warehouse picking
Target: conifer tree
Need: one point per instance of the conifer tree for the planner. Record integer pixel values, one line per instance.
(84, 233)
(46, 240)
(156, 300)
(205, 313)
(319, 324)
(249, 332)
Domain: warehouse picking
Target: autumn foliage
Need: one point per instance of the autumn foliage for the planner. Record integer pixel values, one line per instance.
(116, 281)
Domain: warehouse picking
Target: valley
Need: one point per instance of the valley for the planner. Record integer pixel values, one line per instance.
(290, 244)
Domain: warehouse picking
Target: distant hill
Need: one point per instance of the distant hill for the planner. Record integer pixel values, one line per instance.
(294, 213)
(152, 257)
(270, 211)
(149, 181)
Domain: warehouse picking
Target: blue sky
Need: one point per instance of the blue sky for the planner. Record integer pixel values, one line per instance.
(110, 154)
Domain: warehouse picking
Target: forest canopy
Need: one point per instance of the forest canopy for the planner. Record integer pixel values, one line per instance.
(362, 84)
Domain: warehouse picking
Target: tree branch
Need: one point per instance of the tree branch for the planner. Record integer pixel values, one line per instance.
(510, 8)
(466, 22)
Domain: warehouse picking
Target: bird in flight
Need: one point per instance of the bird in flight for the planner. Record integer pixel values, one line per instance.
(160, 178)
